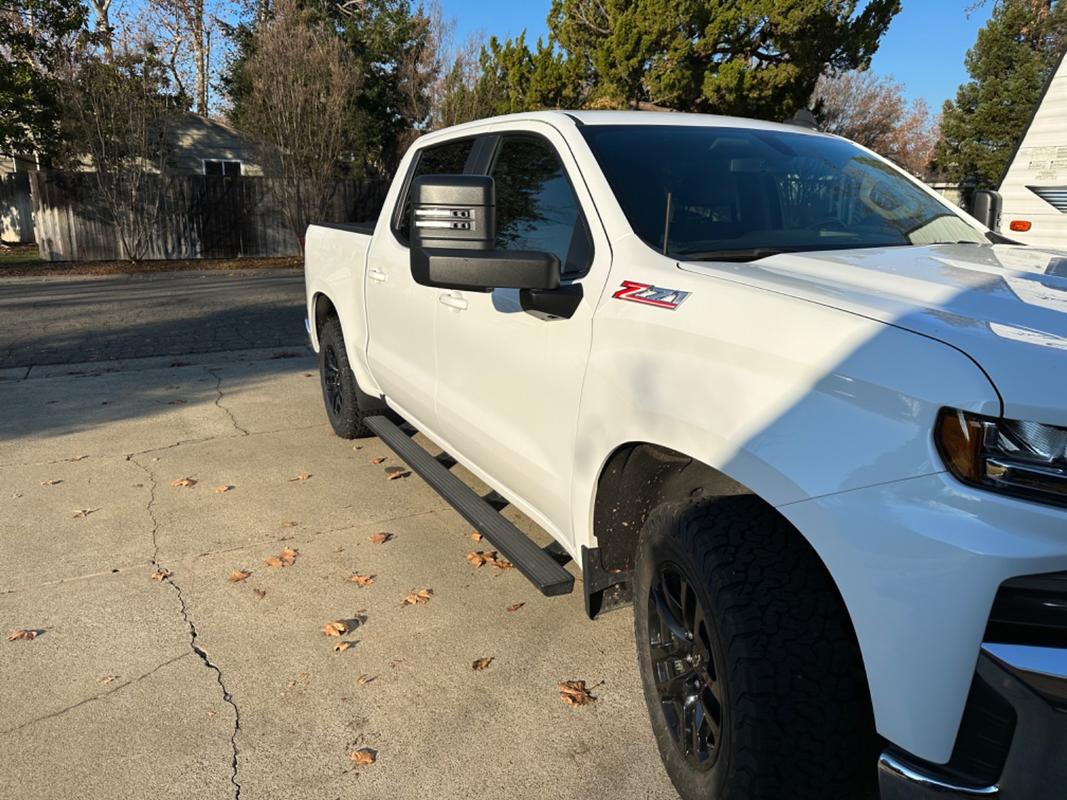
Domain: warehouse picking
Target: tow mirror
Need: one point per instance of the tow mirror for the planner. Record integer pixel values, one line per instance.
(453, 239)
(986, 206)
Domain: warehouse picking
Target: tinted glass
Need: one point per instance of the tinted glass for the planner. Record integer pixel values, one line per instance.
(536, 208)
(737, 194)
(443, 159)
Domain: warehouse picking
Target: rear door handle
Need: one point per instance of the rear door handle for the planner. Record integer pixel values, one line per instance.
(452, 300)
(376, 274)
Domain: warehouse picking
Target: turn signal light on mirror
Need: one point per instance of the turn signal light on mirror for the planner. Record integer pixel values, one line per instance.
(1020, 225)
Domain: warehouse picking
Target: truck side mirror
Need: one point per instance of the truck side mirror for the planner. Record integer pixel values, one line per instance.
(453, 239)
(986, 206)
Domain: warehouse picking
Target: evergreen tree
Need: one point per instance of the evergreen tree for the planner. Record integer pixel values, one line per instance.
(1010, 63)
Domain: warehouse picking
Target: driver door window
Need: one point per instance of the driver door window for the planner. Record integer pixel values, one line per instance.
(536, 208)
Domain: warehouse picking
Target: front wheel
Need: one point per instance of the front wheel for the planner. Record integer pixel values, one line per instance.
(749, 664)
(339, 389)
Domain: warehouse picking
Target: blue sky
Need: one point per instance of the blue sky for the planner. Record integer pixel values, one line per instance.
(923, 48)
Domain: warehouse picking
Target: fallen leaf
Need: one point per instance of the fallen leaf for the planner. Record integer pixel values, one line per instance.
(303, 476)
(363, 680)
(378, 460)
(289, 524)
(283, 559)
(222, 489)
(161, 575)
(515, 606)
(259, 593)
(51, 482)
(476, 537)
(481, 663)
(23, 634)
(361, 580)
(178, 402)
(336, 628)
(238, 575)
(479, 558)
(107, 678)
(363, 757)
(575, 693)
(380, 538)
(420, 597)
(397, 475)
(340, 647)
(500, 563)
(82, 513)
(180, 482)
(76, 458)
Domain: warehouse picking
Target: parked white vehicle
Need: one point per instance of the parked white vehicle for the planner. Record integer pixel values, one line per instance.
(801, 412)
(1034, 189)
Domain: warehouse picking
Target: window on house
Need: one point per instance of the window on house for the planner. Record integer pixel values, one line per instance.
(229, 169)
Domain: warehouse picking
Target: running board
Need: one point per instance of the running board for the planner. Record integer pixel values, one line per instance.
(538, 565)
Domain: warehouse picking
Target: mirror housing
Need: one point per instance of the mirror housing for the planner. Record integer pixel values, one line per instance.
(453, 239)
(986, 206)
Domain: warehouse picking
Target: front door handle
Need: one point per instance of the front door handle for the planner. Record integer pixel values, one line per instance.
(376, 274)
(455, 301)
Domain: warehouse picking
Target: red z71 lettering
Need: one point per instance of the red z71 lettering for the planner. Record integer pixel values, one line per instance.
(650, 295)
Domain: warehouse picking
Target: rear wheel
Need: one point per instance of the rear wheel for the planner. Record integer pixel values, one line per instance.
(750, 668)
(340, 392)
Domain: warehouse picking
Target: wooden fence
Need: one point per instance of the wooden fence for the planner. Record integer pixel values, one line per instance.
(190, 216)
(16, 209)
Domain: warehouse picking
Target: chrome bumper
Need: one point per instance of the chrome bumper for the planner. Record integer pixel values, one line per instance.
(1034, 681)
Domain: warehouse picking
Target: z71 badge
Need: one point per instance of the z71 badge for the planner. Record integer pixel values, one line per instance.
(650, 295)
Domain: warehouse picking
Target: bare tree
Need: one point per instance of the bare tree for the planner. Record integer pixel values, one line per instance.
(456, 95)
(102, 9)
(872, 110)
(116, 123)
(302, 85)
(185, 31)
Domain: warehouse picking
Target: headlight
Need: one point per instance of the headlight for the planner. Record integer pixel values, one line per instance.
(1021, 458)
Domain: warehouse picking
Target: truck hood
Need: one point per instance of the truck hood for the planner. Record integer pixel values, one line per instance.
(1003, 305)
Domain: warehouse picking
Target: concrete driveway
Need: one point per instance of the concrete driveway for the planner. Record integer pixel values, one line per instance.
(196, 686)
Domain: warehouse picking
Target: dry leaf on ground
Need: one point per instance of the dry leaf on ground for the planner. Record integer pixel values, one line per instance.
(223, 489)
(575, 693)
(336, 628)
(476, 537)
(340, 647)
(107, 678)
(161, 574)
(489, 557)
(82, 513)
(23, 634)
(479, 558)
(183, 482)
(303, 476)
(515, 606)
(51, 482)
(363, 680)
(284, 559)
(380, 538)
(378, 460)
(289, 524)
(238, 575)
(259, 593)
(500, 563)
(398, 475)
(363, 757)
(420, 597)
(361, 580)
(481, 663)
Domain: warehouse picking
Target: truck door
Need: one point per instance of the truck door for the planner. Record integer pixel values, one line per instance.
(509, 382)
(400, 312)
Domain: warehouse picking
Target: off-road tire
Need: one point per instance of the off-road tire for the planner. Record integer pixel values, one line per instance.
(340, 393)
(796, 721)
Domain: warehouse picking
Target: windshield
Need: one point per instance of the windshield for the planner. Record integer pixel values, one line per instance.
(735, 194)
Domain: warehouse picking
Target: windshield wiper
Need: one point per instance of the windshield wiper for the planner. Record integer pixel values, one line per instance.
(739, 255)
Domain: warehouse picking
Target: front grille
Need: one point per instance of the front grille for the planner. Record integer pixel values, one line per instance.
(1031, 610)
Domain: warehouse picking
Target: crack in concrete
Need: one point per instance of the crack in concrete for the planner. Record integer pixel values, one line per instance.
(95, 697)
(193, 633)
(217, 373)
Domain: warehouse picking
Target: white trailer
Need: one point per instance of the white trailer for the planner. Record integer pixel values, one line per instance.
(1034, 189)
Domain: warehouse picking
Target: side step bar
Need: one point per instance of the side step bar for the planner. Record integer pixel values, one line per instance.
(536, 564)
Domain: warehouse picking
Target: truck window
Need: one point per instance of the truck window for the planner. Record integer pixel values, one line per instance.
(448, 158)
(536, 208)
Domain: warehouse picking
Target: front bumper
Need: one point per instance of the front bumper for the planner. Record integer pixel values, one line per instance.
(1031, 686)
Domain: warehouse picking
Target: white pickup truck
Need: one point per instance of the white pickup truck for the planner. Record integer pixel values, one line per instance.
(809, 419)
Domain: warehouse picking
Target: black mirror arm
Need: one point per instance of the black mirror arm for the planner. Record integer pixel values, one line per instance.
(560, 303)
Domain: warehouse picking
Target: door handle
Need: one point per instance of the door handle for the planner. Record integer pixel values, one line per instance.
(376, 274)
(451, 300)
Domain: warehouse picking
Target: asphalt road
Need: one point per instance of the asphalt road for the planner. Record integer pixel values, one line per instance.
(196, 686)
